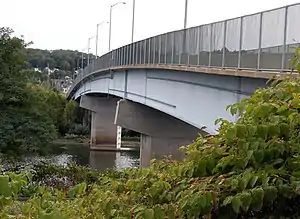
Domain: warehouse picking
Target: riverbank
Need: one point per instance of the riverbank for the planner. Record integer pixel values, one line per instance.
(75, 141)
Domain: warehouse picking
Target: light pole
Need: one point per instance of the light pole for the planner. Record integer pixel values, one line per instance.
(133, 19)
(82, 57)
(97, 36)
(185, 14)
(110, 21)
(89, 42)
(81, 60)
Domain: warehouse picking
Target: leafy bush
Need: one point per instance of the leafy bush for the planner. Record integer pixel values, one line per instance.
(79, 130)
(250, 169)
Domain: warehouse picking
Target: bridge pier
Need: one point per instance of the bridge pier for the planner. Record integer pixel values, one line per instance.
(103, 129)
(156, 147)
(161, 134)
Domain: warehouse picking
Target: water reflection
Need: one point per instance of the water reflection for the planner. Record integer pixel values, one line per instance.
(102, 160)
(81, 155)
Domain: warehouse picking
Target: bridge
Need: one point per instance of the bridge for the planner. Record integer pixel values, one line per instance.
(173, 86)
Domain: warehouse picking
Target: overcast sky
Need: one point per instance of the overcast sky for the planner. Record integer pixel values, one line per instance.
(67, 24)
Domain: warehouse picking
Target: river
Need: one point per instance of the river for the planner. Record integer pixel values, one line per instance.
(81, 155)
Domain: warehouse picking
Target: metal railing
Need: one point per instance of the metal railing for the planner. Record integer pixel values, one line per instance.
(259, 41)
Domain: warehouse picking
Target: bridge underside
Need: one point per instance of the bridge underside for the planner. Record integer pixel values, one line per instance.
(168, 108)
(161, 134)
(195, 98)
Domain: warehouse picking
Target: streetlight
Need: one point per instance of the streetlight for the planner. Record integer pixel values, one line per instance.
(185, 14)
(82, 57)
(97, 36)
(110, 20)
(133, 19)
(88, 60)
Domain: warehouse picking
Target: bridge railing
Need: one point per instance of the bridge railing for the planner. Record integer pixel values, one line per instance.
(261, 41)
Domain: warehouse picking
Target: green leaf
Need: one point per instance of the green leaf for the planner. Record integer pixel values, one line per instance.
(265, 180)
(259, 156)
(244, 181)
(227, 200)
(263, 110)
(274, 130)
(138, 209)
(201, 169)
(241, 130)
(233, 109)
(286, 191)
(209, 199)
(159, 213)
(231, 132)
(202, 201)
(246, 200)
(243, 145)
(252, 129)
(295, 103)
(253, 181)
(254, 145)
(268, 154)
(236, 204)
(5, 189)
(270, 193)
(234, 184)
(246, 160)
(257, 199)
(149, 214)
(228, 106)
(285, 129)
(263, 131)
(171, 214)
(210, 165)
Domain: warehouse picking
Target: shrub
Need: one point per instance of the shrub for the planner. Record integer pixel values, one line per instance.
(79, 129)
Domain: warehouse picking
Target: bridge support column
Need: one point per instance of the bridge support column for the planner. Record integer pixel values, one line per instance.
(161, 134)
(103, 129)
(155, 147)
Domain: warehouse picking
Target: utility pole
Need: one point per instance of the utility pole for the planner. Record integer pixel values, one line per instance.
(185, 14)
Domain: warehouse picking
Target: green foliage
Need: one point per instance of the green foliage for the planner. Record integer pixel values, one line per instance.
(79, 130)
(31, 114)
(295, 62)
(24, 126)
(250, 169)
(36, 77)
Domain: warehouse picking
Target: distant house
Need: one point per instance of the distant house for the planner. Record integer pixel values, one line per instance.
(37, 70)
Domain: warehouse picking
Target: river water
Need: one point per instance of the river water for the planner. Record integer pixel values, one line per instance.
(81, 155)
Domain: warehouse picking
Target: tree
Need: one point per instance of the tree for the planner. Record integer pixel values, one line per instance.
(24, 125)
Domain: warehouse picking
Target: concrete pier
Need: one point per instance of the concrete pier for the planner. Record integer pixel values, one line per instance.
(103, 129)
(161, 134)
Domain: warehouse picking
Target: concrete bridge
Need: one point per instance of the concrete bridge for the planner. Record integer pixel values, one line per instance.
(172, 87)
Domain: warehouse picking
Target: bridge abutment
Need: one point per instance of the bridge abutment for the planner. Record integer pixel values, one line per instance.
(103, 129)
(161, 134)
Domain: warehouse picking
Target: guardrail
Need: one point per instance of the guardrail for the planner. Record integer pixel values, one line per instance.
(264, 40)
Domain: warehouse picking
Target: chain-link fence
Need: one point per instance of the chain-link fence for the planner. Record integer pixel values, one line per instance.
(262, 41)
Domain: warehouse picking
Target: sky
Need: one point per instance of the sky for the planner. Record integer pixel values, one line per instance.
(68, 24)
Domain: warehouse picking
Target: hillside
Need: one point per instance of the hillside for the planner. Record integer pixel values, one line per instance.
(64, 60)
